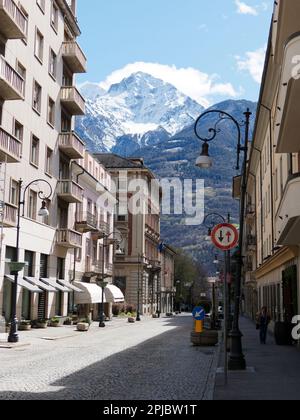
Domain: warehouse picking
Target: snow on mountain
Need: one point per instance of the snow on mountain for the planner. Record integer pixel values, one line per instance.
(138, 111)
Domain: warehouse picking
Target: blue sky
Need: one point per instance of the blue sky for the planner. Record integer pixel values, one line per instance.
(211, 50)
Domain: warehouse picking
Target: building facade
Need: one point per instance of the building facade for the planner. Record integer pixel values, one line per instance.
(137, 270)
(273, 208)
(168, 289)
(39, 57)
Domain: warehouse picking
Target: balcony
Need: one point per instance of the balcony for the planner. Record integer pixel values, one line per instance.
(92, 268)
(72, 100)
(13, 23)
(71, 145)
(86, 222)
(74, 57)
(69, 191)
(9, 215)
(288, 215)
(68, 238)
(11, 83)
(10, 147)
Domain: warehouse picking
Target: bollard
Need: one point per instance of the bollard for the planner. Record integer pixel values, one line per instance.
(199, 327)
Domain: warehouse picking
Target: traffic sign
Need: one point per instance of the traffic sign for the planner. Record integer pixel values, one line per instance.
(199, 313)
(225, 236)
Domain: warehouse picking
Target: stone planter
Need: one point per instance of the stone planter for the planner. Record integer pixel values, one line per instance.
(205, 339)
(83, 326)
(131, 320)
(54, 324)
(24, 327)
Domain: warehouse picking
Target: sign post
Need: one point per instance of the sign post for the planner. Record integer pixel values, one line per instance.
(225, 237)
(199, 316)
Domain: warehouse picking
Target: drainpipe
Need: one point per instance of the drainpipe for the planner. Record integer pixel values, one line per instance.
(271, 171)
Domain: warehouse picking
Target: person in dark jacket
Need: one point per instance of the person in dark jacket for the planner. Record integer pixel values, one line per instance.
(263, 321)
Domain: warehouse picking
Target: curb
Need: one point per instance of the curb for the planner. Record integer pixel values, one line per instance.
(211, 379)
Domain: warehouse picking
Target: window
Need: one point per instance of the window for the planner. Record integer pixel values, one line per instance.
(22, 72)
(41, 4)
(54, 16)
(25, 13)
(48, 162)
(51, 112)
(14, 192)
(32, 203)
(66, 123)
(18, 130)
(60, 268)
(39, 46)
(37, 97)
(52, 63)
(34, 153)
(29, 259)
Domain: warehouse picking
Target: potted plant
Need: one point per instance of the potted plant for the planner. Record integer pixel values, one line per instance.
(25, 326)
(68, 321)
(42, 324)
(55, 322)
(84, 325)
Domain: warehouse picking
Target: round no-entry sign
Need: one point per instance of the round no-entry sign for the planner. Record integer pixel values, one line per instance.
(225, 236)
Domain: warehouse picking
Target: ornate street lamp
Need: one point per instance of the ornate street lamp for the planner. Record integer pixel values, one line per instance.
(16, 266)
(237, 360)
(102, 283)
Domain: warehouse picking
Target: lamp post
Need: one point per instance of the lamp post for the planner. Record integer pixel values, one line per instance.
(237, 359)
(138, 313)
(102, 283)
(13, 336)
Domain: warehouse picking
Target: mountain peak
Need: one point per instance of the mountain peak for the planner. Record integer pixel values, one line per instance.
(139, 104)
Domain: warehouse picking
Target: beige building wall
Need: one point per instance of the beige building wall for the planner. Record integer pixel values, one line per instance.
(272, 278)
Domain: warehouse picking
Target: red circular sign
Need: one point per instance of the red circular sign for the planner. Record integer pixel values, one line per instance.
(225, 236)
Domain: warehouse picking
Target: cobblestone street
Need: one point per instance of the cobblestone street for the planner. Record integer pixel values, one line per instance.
(148, 361)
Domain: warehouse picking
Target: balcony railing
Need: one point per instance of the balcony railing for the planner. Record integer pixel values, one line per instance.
(104, 227)
(69, 191)
(109, 269)
(11, 82)
(8, 215)
(68, 238)
(10, 147)
(86, 222)
(74, 57)
(72, 100)
(71, 145)
(13, 23)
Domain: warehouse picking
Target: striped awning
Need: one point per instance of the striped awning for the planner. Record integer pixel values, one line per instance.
(23, 283)
(90, 294)
(45, 287)
(70, 286)
(113, 294)
(59, 287)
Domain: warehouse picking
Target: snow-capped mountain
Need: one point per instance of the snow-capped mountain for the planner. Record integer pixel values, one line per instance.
(141, 110)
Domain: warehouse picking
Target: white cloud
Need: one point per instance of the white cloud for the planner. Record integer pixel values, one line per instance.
(197, 85)
(253, 62)
(245, 9)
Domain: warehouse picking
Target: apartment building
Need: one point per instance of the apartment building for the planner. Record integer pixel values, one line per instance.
(39, 57)
(168, 289)
(273, 205)
(137, 271)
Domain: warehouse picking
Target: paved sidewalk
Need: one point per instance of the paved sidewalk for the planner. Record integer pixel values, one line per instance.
(276, 374)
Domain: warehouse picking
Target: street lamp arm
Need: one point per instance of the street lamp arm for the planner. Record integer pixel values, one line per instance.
(214, 131)
(41, 194)
(213, 215)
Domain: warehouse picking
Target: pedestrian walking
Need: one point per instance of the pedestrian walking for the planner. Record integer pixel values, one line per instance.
(263, 320)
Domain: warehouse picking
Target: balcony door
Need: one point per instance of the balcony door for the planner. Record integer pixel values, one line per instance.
(42, 303)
